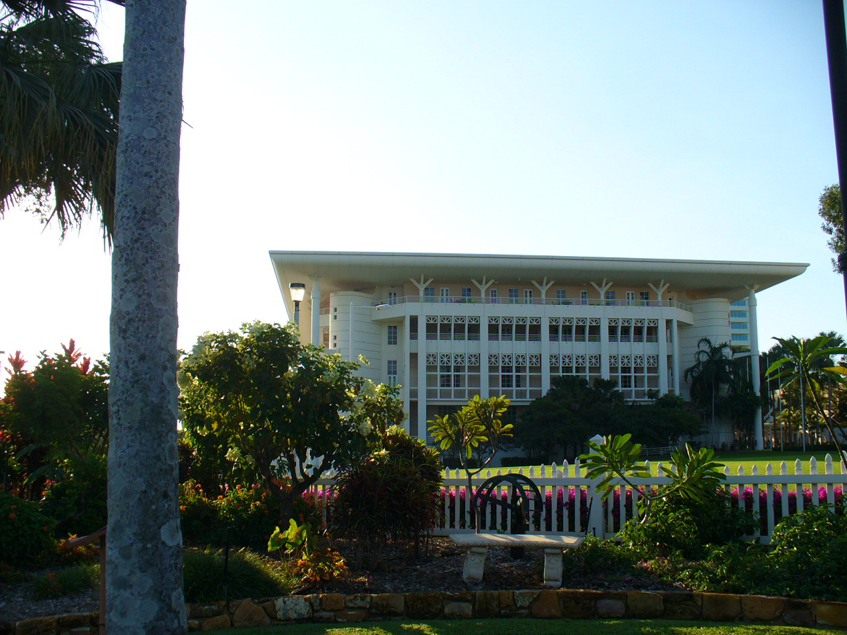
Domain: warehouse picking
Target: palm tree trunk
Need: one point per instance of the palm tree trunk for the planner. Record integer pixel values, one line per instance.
(144, 542)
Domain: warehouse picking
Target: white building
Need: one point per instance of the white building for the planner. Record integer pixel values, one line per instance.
(449, 326)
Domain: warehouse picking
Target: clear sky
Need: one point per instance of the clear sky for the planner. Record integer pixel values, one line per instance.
(652, 129)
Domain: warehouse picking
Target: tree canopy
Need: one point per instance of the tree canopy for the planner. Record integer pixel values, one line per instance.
(572, 411)
(829, 209)
(60, 103)
(289, 412)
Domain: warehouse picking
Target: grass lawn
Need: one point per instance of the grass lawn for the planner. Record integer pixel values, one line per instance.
(525, 627)
(731, 459)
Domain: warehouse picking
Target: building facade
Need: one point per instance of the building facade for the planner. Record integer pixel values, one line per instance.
(447, 327)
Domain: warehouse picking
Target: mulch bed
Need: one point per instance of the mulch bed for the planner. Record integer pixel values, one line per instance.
(393, 570)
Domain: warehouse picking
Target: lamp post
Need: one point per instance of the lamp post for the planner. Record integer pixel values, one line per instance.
(298, 292)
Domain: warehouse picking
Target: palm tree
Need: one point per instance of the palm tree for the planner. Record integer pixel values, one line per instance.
(712, 369)
(806, 364)
(144, 549)
(59, 136)
(59, 121)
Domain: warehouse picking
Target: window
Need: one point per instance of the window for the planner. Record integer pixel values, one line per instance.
(466, 293)
(739, 326)
(740, 337)
(527, 296)
(561, 295)
(610, 297)
(645, 296)
(445, 294)
(391, 367)
(583, 297)
(429, 294)
(513, 296)
(630, 297)
(392, 335)
(626, 381)
(742, 315)
(739, 303)
(493, 295)
(392, 297)
(335, 313)
(506, 377)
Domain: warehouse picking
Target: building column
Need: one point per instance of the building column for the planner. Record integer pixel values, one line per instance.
(484, 387)
(316, 312)
(545, 353)
(758, 428)
(662, 332)
(406, 371)
(604, 346)
(675, 348)
(422, 373)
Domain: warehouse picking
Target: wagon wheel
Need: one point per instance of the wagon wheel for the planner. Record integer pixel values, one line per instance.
(523, 490)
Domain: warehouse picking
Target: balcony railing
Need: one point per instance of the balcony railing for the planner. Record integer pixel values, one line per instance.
(453, 299)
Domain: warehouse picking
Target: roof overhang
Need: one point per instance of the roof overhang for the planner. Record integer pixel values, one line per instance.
(364, 270)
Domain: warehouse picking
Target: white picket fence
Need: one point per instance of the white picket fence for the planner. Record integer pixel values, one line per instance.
(573, 505)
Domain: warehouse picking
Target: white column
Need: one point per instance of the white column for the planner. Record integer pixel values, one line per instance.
(406, 371)
(754, 361)
(604, 346)
(545, 354)
(675, 337)
(422, 373)
(316, 312)
(663, 355)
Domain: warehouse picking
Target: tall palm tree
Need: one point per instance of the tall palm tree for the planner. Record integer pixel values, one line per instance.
(59, 103)
(144, 547)
(712, 369)
(805, 364)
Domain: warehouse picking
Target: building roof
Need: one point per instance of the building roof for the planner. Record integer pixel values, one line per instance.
(364, 270)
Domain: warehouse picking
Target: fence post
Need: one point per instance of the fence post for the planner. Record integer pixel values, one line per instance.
(595, 512)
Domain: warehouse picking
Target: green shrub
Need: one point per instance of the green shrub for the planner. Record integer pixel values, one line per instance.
(244, 516)
(69, 581)
(810, 555)
(26, 535)
(249, 575)
(688, 526)
(602, 557)
(393, 493)
(78, 500)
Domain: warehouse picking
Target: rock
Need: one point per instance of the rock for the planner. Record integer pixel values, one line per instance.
(611, 608)
(351, 615)
(74, 620)
(388, 604)
(831, 614)
(547, 605)
(360, 601)
(507, 600)
(487, 604)
(524, 598)
(682, 605)
(215, 623)
(644, 605)
(332, 601)
(293, 607)
(759, 608)
(37, 626)
(269, 608)
(458, 610)
(250, 614)
(423, 605)
(579, 604)
(721, 607)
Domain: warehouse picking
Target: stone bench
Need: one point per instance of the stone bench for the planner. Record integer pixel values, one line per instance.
(553, 545)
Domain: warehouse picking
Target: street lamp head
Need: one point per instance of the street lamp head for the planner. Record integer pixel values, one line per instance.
(297, 290)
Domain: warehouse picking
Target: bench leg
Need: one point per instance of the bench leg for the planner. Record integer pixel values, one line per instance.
(475, 564)
(553, 568)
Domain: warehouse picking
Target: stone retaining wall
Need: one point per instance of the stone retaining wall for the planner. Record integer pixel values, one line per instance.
(476, 604)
